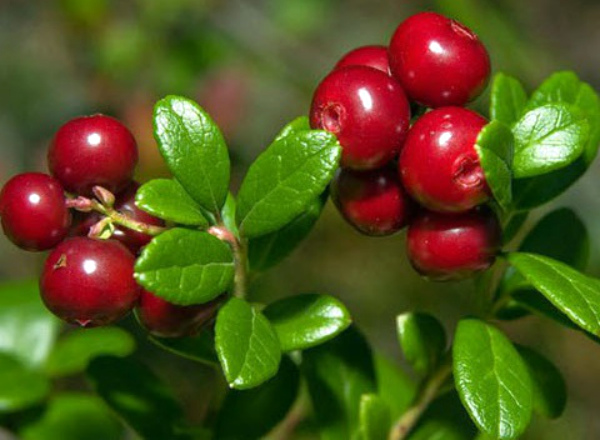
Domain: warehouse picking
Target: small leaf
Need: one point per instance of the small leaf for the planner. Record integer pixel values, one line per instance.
(200, 348)
(246, 344)
(194, 149)
(304, 321)
(492, 380)
(394, 386)
(375, 418)
(285, 179)
(20, 386)
(299, 124)
(166, 198)
(422, 340)
(228, 215)
(185, 267)
(508, 99)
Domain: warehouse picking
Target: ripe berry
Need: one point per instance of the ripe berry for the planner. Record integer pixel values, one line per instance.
(369, 56)
(93, 150)
(368, 112)
(438, 61)
(89, 282)
(439, 165)
(33, 211)
(166, 320)
(373, 202)
(453, 246)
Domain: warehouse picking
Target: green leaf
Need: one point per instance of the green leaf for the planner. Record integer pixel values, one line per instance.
(200, 348)
(375, 420)
(549, 388)
(185, 266)
(246, 344)
(549, 138)
(266, 251)
(166, 198)
(495, 147)
(394, 386)
(253, 413)
(285, 179)
(228, 215)
(508, 99)
(492, 380)
(304, 321)
(422, 340)
(20, 386)
(27, 329)
(338, 373)
(74, 416)
(194, 150)
(299, 124)
(74, 351)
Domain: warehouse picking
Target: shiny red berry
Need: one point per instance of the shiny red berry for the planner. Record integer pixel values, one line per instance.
(438, 61)
(369, 56)
(374, 202)
(368, 112)
(89, 282)
(453, 246)
(166, 320)
(93, 150)
(33, 211)
(439, 165)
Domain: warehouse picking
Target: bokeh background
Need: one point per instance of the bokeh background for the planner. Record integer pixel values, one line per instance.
(253, 65)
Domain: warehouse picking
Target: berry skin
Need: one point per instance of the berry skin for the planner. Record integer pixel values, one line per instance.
(166, 320)
(368, 112)
(438, 61)
(93, 150)
(33, 211)
(373, 202)
(439, 165)
(89, 282)
(369, 56)
(445, 247)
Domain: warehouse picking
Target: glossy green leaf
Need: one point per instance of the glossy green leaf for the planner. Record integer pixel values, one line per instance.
(394, 386)
(495, 147)
(303, 321)
(228, 215)
(299, 124)
(508, 99)
(200, 348)
(549, 138)
(75, 350)
(422, 340)
(253, 413)
(185, 266)
(444, 419)
(375, 420)
(194, 150)
(285, 179)
(246, 344)
(20, 386)
(492, 380)
(166, 198)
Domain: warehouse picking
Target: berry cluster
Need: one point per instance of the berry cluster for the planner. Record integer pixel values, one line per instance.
(426, 174)
(88, 277)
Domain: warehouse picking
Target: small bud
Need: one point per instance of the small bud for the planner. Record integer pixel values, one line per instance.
(82, 204)
(102, 230)
(104, 196)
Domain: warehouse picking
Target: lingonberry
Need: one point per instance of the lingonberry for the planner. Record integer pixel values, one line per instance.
(89, 282)
(453, 246)
(439, 61)
(369, 56)
(374, 202)
(33, 211)
(439, 165)
(167, 320)
(368, 112)
(93, 150)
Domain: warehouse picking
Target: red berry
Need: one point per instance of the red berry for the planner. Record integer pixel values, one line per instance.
(373, 202)
(89, 282)
(33, 211)
(166, 320)
(367, 111)
(369, 56)
(93, 150)
(453, 246)
(439, 61)
(439, 165)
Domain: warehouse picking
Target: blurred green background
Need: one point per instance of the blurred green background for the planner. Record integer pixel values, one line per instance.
(253, 64)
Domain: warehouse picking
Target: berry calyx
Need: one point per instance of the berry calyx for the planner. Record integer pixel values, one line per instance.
(445, 247)
(368, 56)
(439, 165)
(368, 112)
(438, 61)
(373, 202)
(33, 211)
(90, 151)
(89, 282)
